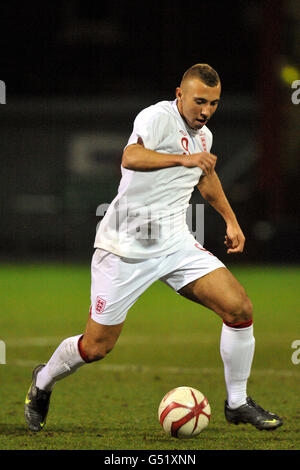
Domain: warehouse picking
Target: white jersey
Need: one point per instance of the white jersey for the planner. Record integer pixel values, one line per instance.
(147, 218)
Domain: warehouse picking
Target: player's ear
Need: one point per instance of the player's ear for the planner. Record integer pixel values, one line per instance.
(178, 93)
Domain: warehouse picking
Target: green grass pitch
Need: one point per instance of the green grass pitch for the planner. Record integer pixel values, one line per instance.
(166, 342)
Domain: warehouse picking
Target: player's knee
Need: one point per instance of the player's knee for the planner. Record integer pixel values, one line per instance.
(96, 351)
(240, 311)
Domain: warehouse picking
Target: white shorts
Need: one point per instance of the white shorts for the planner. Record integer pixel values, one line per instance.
(118, 282)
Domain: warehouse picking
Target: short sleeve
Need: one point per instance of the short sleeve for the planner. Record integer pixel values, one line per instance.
(150, 128)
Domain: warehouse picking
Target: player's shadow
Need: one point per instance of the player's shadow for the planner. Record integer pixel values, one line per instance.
(22, 430)
(12, 429)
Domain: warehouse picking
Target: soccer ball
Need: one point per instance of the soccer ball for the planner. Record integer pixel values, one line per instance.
(184, 412)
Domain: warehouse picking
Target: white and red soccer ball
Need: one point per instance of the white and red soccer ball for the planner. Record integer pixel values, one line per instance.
(184, 412)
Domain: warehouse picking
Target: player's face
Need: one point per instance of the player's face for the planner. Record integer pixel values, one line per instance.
(197, 102)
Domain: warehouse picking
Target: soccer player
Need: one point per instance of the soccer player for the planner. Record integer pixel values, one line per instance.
(144, 237)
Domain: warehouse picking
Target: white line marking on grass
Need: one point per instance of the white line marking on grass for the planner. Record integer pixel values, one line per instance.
(46, 341)
(143, 369)
(198, 338)
(124, 340)
(33, 341)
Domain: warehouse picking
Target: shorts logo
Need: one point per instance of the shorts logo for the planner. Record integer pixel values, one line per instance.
(100, 305)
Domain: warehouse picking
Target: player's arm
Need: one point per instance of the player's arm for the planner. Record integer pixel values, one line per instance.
(137, 157)
(211, 190)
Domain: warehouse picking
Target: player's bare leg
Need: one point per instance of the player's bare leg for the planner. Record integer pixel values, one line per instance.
(221, 292)
(72, 353)
(98, 340)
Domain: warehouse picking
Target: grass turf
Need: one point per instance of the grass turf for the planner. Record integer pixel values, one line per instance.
(166, 342)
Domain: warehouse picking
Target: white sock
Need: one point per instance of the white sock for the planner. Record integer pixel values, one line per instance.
(237, 351)
(65, 360)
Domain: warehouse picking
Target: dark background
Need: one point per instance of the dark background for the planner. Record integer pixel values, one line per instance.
(78, 72)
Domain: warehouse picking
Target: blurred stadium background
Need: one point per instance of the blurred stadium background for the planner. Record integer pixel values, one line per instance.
(77, 73)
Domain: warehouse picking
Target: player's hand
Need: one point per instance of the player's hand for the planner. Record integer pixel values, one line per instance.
(234, 239)
(204, 160)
